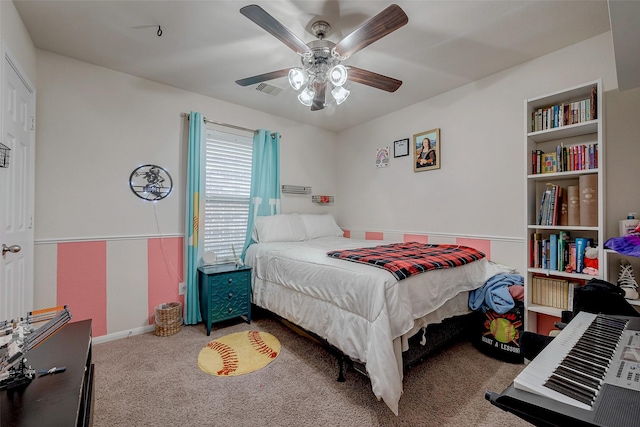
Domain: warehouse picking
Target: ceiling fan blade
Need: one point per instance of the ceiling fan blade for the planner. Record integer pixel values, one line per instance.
(372, 79)
(262, 77)
(275, 28)
(318, 100)
(374, 29)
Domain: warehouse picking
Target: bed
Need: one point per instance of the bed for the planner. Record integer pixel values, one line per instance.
(362, 310)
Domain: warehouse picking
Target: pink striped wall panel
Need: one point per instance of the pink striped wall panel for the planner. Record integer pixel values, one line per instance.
(82, 282)
(482, 245)
(373, 235)
(420, 238)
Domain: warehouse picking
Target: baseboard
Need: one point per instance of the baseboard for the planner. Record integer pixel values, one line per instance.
(124, 334)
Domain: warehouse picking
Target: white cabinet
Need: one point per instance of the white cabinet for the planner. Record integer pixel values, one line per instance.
(577, 139)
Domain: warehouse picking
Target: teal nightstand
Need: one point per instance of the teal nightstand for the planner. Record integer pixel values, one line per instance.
(225, 293)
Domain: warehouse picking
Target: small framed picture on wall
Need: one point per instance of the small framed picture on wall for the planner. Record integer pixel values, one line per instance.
(382, 157)
(401, 147)
(426, 147)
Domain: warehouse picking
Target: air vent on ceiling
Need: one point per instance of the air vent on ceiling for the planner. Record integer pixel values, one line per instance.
(268, 89)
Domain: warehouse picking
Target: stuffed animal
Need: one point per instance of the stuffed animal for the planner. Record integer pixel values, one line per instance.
(591, 261)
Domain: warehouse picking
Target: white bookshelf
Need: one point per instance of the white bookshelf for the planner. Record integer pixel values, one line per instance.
(583, 133)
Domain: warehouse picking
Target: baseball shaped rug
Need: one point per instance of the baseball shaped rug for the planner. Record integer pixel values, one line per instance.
(239, 353)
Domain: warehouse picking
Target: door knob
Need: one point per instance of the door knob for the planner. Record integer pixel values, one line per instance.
(12, 248)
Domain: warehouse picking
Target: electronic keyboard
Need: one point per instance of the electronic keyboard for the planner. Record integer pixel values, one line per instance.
(588, 375)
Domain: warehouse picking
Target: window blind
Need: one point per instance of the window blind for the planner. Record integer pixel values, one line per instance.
(227, 189)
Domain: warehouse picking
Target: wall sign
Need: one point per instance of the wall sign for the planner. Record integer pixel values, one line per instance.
(401, 147)
(150, 182)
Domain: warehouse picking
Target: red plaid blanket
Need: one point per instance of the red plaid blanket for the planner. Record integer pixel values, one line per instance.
(410, 258)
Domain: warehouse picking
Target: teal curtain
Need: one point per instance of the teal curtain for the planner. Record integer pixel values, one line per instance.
(265, 179)
(192, 303)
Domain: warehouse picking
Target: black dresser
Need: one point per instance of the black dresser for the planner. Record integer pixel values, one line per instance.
(63, 399)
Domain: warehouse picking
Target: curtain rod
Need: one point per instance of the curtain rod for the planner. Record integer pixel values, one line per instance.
(222, 124)
(187, 115)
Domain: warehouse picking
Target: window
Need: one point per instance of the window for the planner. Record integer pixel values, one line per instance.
(227, 189)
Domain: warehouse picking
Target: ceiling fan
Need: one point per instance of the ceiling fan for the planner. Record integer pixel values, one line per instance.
(321, 59)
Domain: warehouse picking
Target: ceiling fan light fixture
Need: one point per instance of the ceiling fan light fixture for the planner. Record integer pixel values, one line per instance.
(321, 58)
(338, 75)
(306, 96)
(298, 78)
(340, 94)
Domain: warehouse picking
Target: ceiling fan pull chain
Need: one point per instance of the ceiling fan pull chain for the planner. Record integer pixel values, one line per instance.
(159, 31)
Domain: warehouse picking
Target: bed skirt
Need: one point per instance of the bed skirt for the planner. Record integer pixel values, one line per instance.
(428, 341)
(438, 336)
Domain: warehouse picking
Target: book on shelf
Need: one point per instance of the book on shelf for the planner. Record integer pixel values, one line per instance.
(572, 256)
(555, 218)
(548, 215)
(563, 218)
(550, 292)
(566, 113)
(549, 163)
(594, 100)
(573, 205)
(563, 250)
(558, 252)
(565, 159)
(536, 161)
(553, 252)
(581, 246)
(580, 157)
(536, 243)
(570, 157)
(544, 204)
(533, 254)
(588, 187)
(550, 205)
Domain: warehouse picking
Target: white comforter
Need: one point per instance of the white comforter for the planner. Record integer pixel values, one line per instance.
(358, 308)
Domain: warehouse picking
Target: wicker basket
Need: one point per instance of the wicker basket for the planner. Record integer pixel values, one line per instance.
(168, 319)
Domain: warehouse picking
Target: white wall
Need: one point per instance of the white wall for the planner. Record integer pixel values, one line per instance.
(479, 189)
(623, 158)
(96, 125)
(16, 38)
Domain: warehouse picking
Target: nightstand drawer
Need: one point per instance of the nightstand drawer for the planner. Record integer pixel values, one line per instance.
(225, 293)
(228, 302)
(230, 280)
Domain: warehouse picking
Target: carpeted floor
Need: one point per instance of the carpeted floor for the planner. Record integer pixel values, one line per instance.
(147, 380)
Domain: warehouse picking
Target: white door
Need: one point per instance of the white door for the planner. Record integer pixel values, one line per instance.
(16, 192)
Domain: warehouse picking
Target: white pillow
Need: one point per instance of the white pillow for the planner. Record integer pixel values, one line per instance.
(279, 228)
(321, 226)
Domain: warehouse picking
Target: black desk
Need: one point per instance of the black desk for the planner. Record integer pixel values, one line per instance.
(63, 399)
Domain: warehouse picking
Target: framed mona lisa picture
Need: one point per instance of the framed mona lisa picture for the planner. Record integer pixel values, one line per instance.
(427, 150)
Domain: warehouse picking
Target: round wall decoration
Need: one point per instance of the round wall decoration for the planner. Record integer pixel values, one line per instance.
(150, 182)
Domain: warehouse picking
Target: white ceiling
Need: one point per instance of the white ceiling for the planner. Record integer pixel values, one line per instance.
(206, 45)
